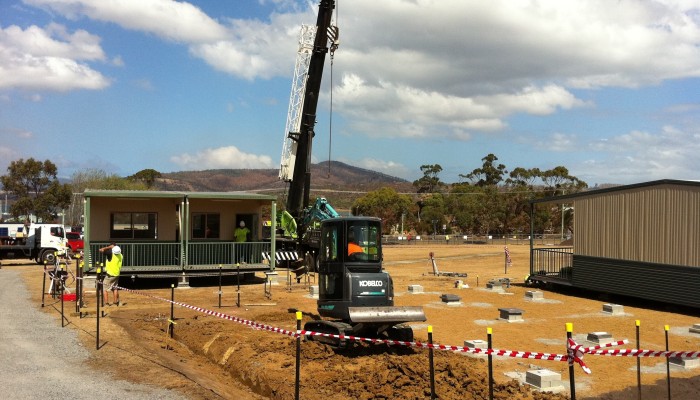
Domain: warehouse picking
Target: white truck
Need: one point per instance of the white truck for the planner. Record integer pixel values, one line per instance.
(37, 242)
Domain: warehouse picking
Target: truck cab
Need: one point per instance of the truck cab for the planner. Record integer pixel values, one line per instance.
(38, 242)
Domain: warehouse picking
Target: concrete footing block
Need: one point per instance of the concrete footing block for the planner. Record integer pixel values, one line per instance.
(450, 298)
(494, 286)
(600, 338)
(534, 295)
(543, 379)
(89, 284)
(415, 289)
(694, 329)
(476, 344)
(313, 291)
(613, 309)
(687, 363)
(511, 314)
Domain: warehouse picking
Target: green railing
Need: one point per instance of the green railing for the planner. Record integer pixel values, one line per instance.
(169, 256)
(161, 255)
(213, 254)
(552, 262)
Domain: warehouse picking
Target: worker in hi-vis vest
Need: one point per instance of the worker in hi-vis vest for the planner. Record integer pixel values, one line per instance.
(113, 268)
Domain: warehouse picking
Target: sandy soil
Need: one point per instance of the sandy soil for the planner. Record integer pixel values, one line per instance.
(210, 357)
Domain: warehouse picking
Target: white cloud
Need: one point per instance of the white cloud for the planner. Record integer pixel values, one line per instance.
(222, 157)
(37, 58)
(173, 20)
(641, 156)
(559, 142)
(391, 168)
(414, 113)
(246, 48)
(456, 68)
(387, 167)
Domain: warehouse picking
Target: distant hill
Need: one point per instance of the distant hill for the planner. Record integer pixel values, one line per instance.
(325, 177)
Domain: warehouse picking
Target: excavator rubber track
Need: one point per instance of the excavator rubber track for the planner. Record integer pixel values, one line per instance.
(329, 327)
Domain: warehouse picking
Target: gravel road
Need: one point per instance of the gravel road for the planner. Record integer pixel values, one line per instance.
(31, 366)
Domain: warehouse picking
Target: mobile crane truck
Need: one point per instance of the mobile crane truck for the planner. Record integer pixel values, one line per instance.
(355, 292)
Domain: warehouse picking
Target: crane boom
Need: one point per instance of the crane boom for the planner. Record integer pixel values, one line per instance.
(296, 101)
(298, 196)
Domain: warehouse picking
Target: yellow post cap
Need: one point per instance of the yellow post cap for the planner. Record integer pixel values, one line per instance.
(299, 315)
(569, 327)
(637, 322)
(489, 330)
(666, 327)
(430, 329)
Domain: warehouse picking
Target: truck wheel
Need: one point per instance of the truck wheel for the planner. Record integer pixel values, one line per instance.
(48, 256)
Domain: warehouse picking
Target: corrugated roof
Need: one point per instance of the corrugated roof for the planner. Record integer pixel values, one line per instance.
(634, 186)
(159, 194)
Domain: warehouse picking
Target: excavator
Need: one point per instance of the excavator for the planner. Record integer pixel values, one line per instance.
(356, 295)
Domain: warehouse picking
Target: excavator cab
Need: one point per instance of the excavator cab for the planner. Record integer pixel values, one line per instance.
(350, 266)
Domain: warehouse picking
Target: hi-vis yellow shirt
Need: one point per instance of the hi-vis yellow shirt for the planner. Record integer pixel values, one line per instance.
(114, 266)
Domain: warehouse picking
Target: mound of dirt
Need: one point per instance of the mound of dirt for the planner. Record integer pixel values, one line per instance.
(265, 362)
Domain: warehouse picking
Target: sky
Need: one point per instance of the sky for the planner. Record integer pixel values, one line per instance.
(608, 89)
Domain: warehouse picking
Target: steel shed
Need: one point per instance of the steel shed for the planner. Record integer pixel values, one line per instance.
(640, 240)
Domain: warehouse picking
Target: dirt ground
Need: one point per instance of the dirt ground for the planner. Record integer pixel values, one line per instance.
(211, 357)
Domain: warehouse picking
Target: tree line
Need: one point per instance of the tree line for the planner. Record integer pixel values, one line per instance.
(38, 194)
(489, 200)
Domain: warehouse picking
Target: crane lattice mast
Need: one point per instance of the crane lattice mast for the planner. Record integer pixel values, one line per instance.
(296, 101)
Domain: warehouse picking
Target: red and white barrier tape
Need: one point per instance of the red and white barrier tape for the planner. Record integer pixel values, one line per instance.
(576, 350)
(647, 353)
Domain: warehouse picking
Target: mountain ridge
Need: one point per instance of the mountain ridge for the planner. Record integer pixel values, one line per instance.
(333, 175)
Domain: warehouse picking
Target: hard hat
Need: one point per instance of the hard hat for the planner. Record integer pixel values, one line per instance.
(242, 224)
(116, 250)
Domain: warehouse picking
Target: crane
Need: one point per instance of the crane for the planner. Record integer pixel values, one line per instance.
(355, 291)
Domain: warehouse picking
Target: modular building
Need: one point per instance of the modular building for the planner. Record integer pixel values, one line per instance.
(178, 232)
(640, 240)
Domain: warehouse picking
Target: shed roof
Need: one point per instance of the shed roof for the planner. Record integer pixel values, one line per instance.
(596, 192)
(178, 194)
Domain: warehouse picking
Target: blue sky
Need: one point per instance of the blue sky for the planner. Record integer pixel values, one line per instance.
(610, 90)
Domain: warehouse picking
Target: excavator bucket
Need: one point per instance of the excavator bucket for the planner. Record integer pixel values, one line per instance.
(386, 315)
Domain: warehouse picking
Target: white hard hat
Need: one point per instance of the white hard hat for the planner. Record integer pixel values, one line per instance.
(116, 250)
(242, 224)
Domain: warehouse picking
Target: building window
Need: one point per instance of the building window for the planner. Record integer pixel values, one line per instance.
(134, 225)
(205, 226)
